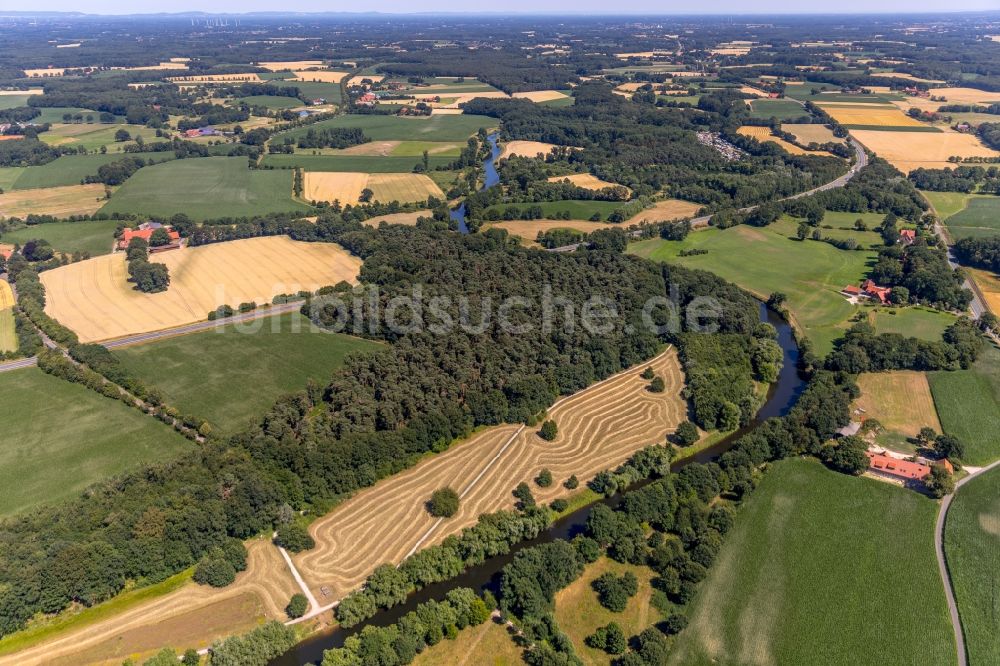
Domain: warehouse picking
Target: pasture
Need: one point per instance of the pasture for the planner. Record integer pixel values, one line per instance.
(58, 438)
(58, 201)
(54, 114)
(346, 186)
(820, 563)
(396, 128)
(13, 101)
(968, 405)
(95, 237)
(598, 428)
(94, 298)
(92, 137)
(979, 217)
(946, 204)
(971, 542)
(909, 150)
(341, 162)
(916, 321)
(782, 109)
(72, 169)
(204, 188)
(764, 261)
(236, 372)
(579, 613)
(275, 102)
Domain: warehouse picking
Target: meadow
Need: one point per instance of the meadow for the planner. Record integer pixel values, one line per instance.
(94, 237)
(765, 261)
(971, 542)
(13, 101)
(72, 169)
(54, 114)
(979, 217)
(271, 101)
(367, 163)
(314, 90)
(92, 137)
(782, 109)
(204, 188)
(395, 128)
(58, 438)
(916, 321)
(901, 401)
(947, 204)
(489, 644)
(968, 404)
(820, 563)
(231, 374)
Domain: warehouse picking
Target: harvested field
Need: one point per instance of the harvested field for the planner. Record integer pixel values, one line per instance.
(965, 96)
(319, 76)
(860, 114)
(356, 80)
(630, 87)
(58, 201)
(291, 65)
(44, 71)
(215, 78)
(540, 95)
(910, 150)
(989, 285)
(94, 299)
(409, 219)
(192, 616)
(763, 134)
(901, 401)
(8, 338)
(811, 133)
(6, 295)
(586, 181)
(346, 186)
(529, 229)
(668, 209)
(598, 428)
(526, 149)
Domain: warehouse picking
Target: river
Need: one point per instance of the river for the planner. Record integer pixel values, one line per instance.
(781, 396)
(492, 178)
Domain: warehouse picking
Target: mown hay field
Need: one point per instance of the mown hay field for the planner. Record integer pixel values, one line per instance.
(408, 219)
(586, 181)
(191, 616)
(396, 149)
(901, 401)
(968, 405)
(529, 229)
(346, 186)
(971, 542)
(58, 438)
(763, 134)
(489, 644)
(821, 563)
(526, 149)
(598, 428)
(58, 201)
(205, 188)
(910, 150)
(366, 163)
(93, 136)
(94, 298)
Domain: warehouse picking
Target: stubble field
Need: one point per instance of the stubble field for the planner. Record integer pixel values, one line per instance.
(910, 150)
(57, 201)
(346, 186)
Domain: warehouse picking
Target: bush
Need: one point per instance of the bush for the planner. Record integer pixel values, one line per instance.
(544, 479)
(443, 503)
(559, 505)
(609, 638)
(648, 374)
(614, 591)
(297, 606)
(549, 431)
(523, 494)
(687, 433)
(572, 483)
(294, 537)
(657, 385)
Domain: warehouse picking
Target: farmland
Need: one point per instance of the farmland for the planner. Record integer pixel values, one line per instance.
(341, 162)
(782, 109)
(489, 644)
(577, 209)
(91, 137)
(810, 133)
(71, 169)
(870, 116)
(58, 438)
(8, 338)
(58, 201)
(968, 404)
(205, 188)
(346, 187)
(979, 217)
(395, 128)
(822, 563)
(526, 149)
(901, 401)
(230, 375)
(971, 541)
(271, 101)
(584, 180)
(529, 229)
(94, 299)
(909, 150)
(917, 321)
(764, 261)
(764, 134)
(598, 427)
(93, 237)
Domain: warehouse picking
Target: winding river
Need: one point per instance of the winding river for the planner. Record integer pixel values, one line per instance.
(781, 396)
(492, 178)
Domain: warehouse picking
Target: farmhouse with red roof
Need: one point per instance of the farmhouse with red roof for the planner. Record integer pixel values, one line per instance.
(145, 232)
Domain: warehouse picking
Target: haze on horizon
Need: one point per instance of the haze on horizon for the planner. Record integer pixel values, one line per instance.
(596, 7)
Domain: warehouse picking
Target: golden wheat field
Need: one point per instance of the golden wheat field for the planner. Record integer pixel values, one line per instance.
(764, 134)
(346, 186)
(989, 285)
(882, 115)
(6, 295)
(910, 150)
(599, 427)
(408, 219)
(8, 334)
(321, 76)
(526, 149)
(192, 616)
(94, 298)
(290, 65)
(586, 181)
(357, 80)
(810, 133)
(59, 201)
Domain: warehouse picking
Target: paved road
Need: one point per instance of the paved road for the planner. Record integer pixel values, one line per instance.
(861, 160)
(142, 338)
(949, 588)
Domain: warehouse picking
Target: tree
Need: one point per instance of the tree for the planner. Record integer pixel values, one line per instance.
(609, 638)
(572, 483)
(524, 496)
(165, 657)
(122, 135)
(687, 433)
(297, 606)
(949, 446)
(927, 435)
(940, 482)
(613, 591)
(776, 300)
(544, 478)
(159, 238)
(443, 503)
(294, 537)
(366, 195)
(657, 385)
(214, 570)
(191, 657)
(802, 232)
(848, 456)
(549, 430)
(648, 373)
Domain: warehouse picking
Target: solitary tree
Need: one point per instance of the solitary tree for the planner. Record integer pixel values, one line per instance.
(524, 496)
(657, 385)
(544, 478)
(549, 430)
(687, 433)
(444, 503)
(648, 373)
(297, 606)
(122, 135)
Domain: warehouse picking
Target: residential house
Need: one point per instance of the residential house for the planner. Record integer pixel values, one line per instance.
(907, 236)
(145, 232)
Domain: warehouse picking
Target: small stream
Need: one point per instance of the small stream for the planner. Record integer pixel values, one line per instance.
(781, 396)
(492, 178)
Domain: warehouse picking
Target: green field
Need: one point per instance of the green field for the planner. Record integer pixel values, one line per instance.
(947, 203)
(577, 209)
(313, 90)
(208, 187)
(93, 236)
(968, 405)
(782, 109)
(58, 438)
(764, 261)
(231, 375)
(916, 321)
(13, 101)
(823, 568)
(979, 217)
(54, 114)
(92, 136)
(9, 176)
(71, 169)
(271, 101)
(365, 163)
(972, 542)
(396, 128)
(8, 335)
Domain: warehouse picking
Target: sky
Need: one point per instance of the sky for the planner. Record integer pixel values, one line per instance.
(517, 6)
